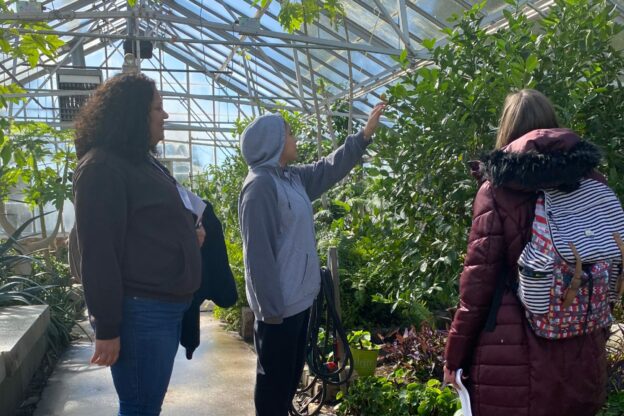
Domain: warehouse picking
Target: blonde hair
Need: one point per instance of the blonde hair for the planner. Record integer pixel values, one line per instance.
(524, 111)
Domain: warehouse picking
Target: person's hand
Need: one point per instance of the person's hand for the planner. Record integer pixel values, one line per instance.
(373, 120)
(201, 234)
(449, 377)
(106, 352)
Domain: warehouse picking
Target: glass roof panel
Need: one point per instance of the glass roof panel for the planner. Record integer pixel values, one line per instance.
(495, 6)
(421, 27)
(333, 67)
(370, 26)
(196, 10)
(214, 12)
(360, 63)
(440, 10)
(271, 74)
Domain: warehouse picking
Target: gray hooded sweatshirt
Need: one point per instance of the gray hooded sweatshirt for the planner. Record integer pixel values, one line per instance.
(276, 218)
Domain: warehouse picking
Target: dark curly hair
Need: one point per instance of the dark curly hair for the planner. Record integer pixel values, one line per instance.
(116, 118)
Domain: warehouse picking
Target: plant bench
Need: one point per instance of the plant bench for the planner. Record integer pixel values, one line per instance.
(23, 343)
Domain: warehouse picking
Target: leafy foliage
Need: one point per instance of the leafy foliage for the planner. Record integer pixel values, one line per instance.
(25, 157)
(49, 283)
(30, 44)
(362, 340)
(614, 405)
(615, 359)
(400, 222)
(293, 14)
(370, 396)
(446, 114)
(39, 157)
(20, 40)
(394, 397)
(437, 401)
(65, 298)
(418, 353)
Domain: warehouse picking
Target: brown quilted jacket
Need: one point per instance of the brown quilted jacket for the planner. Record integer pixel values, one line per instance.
(511, 371)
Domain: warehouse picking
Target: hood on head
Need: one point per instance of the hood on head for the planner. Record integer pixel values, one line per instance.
(263, 140)
(546, 158)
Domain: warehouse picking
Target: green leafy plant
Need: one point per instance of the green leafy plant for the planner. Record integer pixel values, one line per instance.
(49, 283)
(24, 159)
(614, 405)
(417, 352)
(31, 44)
(615, 360)
(370, 396)
(39, 160)
(293, 14)
(446, 114)
(23, 40)
(393, 396)
(362, 340)
(437, 401)
(414, 194)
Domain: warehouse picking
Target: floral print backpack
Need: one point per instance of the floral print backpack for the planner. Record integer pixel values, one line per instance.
(571, 269)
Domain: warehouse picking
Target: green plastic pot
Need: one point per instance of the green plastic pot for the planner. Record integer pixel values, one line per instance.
(364, 361)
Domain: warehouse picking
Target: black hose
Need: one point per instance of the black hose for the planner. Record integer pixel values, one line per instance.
(323, 316)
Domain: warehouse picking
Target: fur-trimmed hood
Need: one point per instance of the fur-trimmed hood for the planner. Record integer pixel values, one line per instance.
(540, 159)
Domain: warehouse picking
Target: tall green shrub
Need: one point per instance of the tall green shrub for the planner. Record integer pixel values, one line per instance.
(447, 113)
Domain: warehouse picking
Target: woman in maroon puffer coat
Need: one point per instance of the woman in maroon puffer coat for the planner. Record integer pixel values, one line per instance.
(511, 371)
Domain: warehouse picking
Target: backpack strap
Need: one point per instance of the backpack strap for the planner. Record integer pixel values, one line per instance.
(575, 283)
(501, 284)
(619, 289)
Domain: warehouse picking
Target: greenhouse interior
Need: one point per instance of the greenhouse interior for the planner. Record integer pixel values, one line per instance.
(455, 166)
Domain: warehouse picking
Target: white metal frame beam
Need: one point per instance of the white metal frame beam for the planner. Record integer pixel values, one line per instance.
(182, 10)
(270, 65)
(264, 56)
(493, 21)
(186, 101)
(194, 51)
(164, 94)
(35, 73)
(306, 41)
(354, 27)
(403, 30)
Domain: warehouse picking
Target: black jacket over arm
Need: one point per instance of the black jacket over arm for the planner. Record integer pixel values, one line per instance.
(217, 283)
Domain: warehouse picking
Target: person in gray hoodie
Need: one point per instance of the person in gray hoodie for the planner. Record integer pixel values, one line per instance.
(279, 246)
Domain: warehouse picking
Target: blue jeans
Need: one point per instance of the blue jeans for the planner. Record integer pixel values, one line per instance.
(150, 333)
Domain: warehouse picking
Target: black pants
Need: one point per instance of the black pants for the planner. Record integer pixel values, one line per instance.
(281, 357)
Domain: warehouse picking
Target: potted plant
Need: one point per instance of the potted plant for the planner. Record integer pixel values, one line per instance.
(364, 352)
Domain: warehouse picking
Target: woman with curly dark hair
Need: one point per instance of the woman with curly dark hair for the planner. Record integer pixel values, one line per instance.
(140, 258)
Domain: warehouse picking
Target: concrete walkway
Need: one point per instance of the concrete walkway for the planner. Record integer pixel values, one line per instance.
(218, 381)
